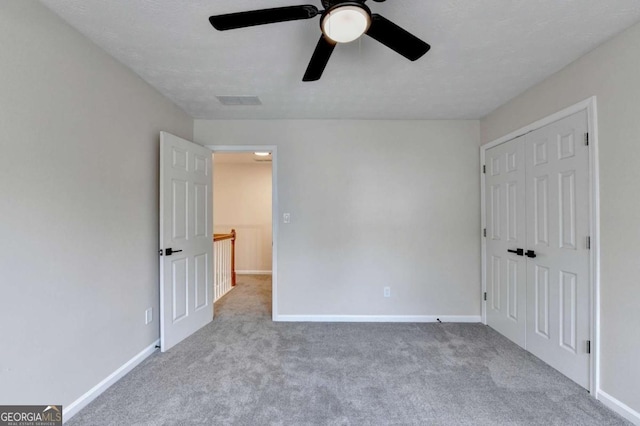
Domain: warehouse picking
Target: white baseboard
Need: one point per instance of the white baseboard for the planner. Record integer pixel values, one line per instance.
(377, 318)
(77, 405)
(619, 407)
(252, 272)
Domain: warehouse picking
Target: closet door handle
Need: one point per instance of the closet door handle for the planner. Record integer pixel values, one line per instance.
(519, 252)
(531, 254)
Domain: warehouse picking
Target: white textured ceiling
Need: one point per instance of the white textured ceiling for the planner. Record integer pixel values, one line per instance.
(484, 52)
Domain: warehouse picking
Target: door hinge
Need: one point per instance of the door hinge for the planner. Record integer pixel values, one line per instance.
(484, 169)
(160, 252)
(588, 346)
(485, 295)
(588, 243)
(484, 232)
(586, 139)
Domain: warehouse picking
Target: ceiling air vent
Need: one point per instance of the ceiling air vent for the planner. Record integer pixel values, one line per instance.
(239, 100)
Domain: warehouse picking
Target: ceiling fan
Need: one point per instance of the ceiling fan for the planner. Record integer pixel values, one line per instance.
(341, 22)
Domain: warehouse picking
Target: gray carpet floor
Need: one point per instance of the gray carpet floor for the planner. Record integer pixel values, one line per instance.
(243, 369)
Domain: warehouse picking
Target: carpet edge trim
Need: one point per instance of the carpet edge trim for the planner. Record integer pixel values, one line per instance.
(619, 407)
(77, 405)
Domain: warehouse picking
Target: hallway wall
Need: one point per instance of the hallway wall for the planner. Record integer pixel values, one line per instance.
(242, 201)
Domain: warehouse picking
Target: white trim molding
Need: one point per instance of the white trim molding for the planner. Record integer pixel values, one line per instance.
(619, 407)
(590, 106)
(77, 405)
(379, 318)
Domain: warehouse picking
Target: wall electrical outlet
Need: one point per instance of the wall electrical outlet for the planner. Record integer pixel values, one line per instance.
(387, 292)
(148, 315)
(286, 217)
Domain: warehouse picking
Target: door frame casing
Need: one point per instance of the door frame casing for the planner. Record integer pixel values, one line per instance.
(274, 209)
(590, 105)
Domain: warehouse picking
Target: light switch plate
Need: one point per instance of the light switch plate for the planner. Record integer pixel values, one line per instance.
(286, 217)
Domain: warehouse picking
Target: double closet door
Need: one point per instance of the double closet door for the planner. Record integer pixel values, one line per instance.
(537, 244)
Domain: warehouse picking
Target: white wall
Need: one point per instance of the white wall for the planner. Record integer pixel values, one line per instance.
(373, 204)
(78, 208)
(242, 201)
(612, 73)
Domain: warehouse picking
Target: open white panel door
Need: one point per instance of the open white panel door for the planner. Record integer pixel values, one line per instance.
(186, 245)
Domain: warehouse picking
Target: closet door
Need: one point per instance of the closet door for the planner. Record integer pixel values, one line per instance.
(557, 198)
(506, 265)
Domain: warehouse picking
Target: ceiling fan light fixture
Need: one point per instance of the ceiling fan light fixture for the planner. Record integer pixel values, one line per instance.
(345, 23)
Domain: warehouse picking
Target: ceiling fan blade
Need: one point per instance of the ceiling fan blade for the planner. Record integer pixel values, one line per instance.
(319, 60)
(232, 21)
(396, 38)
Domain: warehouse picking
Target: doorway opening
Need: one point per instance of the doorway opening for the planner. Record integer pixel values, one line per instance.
(244, 207)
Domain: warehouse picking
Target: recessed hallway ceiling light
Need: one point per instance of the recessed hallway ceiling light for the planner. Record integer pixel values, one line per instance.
(262, 154)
